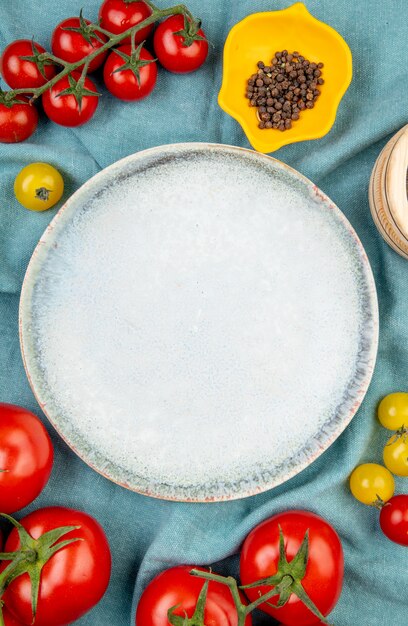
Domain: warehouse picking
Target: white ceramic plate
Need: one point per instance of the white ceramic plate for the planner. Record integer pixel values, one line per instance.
(199, 322)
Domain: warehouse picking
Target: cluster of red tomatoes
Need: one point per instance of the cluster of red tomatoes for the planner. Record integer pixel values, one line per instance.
(129, 70)
(373, 484)
(295, 556)
(67, 548)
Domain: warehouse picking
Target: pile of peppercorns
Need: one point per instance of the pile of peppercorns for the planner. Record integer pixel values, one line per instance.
(283, 89)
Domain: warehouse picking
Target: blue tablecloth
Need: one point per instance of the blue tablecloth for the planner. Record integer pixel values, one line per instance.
(148, 535)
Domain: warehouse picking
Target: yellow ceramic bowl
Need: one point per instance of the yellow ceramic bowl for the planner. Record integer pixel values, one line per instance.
(257, 38)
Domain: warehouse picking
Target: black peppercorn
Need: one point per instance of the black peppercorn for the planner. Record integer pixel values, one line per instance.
(283, 89)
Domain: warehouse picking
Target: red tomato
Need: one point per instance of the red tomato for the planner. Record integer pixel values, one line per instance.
(21, 73)
(9, 619)
(324, 571)
(125, 84)
(72, 46)
(176, 586)
(180, 53)
(26, 456)
(18, 121)
(64, 109)
(73, 580)
(394, 519)
(117, 16)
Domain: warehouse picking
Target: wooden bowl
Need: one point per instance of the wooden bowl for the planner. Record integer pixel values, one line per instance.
(388, 192)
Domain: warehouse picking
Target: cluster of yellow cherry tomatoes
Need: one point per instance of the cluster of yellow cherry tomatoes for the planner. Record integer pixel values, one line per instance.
(373, 484)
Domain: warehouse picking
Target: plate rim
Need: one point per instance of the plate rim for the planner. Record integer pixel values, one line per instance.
(371, 353)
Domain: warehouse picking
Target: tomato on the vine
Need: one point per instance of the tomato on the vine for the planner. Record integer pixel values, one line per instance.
(130, 77)
(18, 119)
(73, 39)
(68, 103)
(313, 559)
(117, 16)
(371, 483)
(394, 519)
(74, 578)
(21, 65)
(180, 45)
(26, 457)
(176, 587)
(393, 411)
(38, 186)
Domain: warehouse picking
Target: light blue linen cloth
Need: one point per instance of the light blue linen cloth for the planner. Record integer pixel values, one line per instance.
(148, 535)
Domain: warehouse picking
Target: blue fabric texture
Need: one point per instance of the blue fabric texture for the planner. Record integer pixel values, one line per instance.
(149, 535)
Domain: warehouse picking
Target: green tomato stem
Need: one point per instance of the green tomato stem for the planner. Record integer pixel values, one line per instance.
(231, 583)
(242, 609)
(18, 558)
(47, 56)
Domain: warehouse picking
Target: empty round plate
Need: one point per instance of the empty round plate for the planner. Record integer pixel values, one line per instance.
(199, 322)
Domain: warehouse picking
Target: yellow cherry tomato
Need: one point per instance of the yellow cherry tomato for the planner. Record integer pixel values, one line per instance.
(396, 454)
(38, 186)
(371, 482)
(393, 411)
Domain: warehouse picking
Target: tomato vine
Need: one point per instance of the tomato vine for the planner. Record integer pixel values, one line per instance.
(287, 580)
(42, 59)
